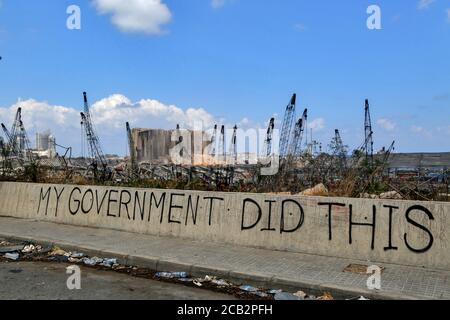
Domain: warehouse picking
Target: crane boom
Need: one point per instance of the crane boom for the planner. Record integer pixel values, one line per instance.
(213, 142)
(296, 145)
(13, 134)
(95, 150)
(368, 147)
(287, 127)
(268, 142)
(12, 147)
(233, 146)
(222, 152)
(25, 143)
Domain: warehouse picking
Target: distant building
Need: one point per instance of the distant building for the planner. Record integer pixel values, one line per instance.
(45, 145)
(414, 161)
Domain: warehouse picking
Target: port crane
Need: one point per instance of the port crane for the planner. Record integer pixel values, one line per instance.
(95, 151)
(287, 127)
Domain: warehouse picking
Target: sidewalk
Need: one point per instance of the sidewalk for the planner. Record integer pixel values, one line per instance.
(265, 268)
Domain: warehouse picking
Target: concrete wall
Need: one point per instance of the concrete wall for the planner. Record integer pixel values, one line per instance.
(403, 232)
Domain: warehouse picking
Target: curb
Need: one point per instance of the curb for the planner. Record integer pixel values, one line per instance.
(258, 280)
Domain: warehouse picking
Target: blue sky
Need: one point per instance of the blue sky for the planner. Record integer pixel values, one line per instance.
(231, 61)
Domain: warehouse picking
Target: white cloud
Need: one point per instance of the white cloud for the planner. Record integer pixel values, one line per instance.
(147, 16)
(216, 4)
(109, 116)
(317, 124)
(112, 111)
(38, 115)
(425, 4)
(387, 124)
(421, 131)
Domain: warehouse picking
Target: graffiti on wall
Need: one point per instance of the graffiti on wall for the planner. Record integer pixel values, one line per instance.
(283, 216)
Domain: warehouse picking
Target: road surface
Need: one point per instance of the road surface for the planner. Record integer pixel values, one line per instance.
(39, 280)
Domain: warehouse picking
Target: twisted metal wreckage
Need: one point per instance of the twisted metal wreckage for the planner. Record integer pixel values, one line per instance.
(300, 164)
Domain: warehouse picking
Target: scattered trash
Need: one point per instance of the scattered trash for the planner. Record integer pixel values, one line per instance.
(171, 275)
(76, 255)
(197, 283)
(248, 288)
(29, 248)
(300, 294)
(58, 259)
(120, 268)
(275, 291)
(285, 296)
(92, 261)
(221, 283)
(108, 262)
(326, 296)
(55, 254)
(58, 252)
(12, 256)
(209, 278)
(10, 249)
(358, 298)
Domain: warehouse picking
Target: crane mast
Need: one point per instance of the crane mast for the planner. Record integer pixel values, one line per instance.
(14, 133)
(296, 146)
(368, 147)
(268, 142)
(8, 138)
(25, 145)
(213, 142)
(340, 148)
(287, 127)
(222, 152)
(233, 146)
(95, 151)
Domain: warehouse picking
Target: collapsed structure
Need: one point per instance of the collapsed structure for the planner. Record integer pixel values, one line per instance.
(213, 159)
(157, 146)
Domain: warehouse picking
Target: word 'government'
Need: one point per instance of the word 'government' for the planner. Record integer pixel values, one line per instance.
(250, 214)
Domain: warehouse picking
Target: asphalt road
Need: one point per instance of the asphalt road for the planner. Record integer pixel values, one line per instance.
(39, 281)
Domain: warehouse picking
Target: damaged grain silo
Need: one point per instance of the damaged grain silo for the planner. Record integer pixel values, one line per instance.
(157, 146)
